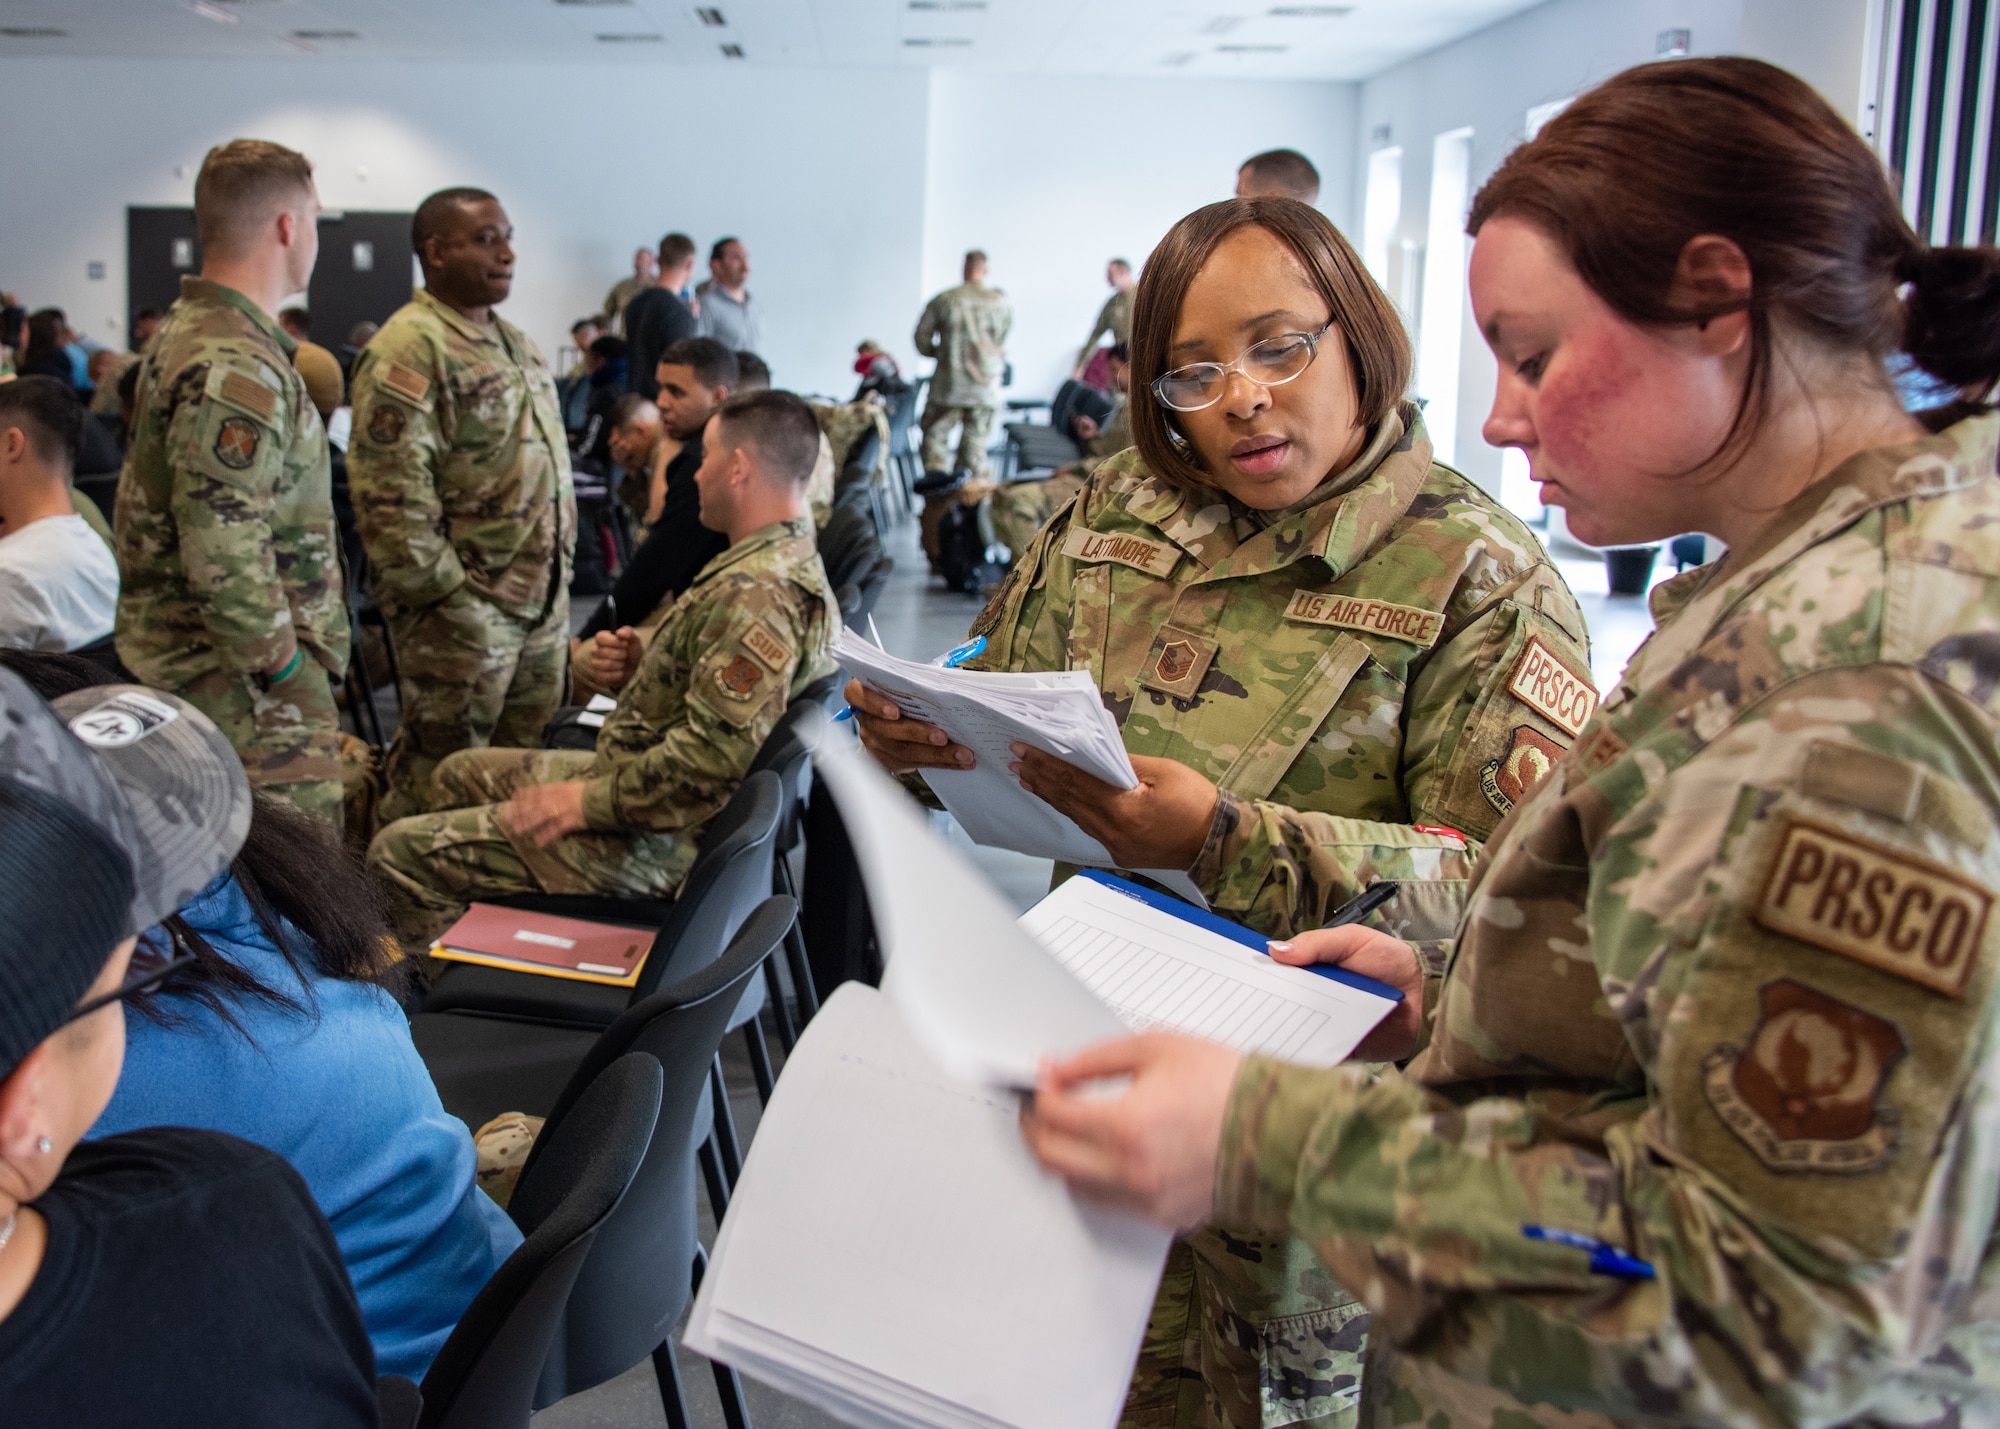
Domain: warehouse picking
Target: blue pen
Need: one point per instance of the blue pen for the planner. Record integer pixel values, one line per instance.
(950, 660)
(1604, 1259)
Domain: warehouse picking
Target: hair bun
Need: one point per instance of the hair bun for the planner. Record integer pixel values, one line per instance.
(1952, 327)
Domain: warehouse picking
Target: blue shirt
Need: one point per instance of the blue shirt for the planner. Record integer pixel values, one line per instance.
(338, 1091)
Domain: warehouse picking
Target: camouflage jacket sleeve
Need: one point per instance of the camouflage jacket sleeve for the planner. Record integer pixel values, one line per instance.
(394, 462)
(740, 653)
(1282, 870)
(927, 333)
(227, 458)
(1798, 1104)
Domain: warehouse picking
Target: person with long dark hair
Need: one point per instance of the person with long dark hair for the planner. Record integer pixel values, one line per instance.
(283, 1027)
(46, 351)
(1701, 1125)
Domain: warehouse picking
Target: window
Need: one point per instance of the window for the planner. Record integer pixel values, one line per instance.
(1381, 211)
(1442, 329)
(1940, 130)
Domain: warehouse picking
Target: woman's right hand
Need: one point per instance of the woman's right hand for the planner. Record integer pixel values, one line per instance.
(898, 744)
(1373, 954)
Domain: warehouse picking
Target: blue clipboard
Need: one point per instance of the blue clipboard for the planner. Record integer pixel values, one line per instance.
(1235, 932)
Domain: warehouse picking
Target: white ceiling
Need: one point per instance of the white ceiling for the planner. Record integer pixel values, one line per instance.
(1277, 39)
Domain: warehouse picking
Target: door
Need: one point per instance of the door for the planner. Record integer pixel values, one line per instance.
(161, 248)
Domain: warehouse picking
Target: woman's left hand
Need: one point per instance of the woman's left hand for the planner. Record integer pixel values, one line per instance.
(1163, 823)
(1151, 1150)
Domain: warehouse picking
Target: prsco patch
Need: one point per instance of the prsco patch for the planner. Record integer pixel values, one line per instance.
(1526, 761)
(1804, 1095)
(406, 380)
(1877, 905)
(248, 393)
(385, 424)
(236, 443)
(1548, 687)
(1178, 662)
(1155, 558)
(740, 677)
(1375, 617)
(765, 643)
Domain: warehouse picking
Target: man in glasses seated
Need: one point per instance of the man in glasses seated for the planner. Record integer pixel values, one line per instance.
(164, 1277)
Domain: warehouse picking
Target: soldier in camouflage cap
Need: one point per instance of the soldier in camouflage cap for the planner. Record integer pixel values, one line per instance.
(460, 472)
(965, 329)
(1301, 622)
(1703, 1130)
(230, 589)
(755, 628)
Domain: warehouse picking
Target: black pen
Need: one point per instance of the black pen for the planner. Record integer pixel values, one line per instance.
(1362, 904)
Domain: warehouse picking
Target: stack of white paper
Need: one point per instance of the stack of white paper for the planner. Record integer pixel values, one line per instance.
(1059, 711)
(892, 1253)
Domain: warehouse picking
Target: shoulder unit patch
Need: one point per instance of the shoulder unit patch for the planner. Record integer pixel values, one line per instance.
(1526, 761)
(236, 443)
(1877, 905)
(1551, 689)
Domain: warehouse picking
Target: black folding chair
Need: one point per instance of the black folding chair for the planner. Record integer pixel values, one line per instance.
(646, 1262)
(486, 1375)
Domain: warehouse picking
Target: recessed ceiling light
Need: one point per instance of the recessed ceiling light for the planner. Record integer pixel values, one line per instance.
(326, 34)
(711, 16)
(593, 2)
(943, 42)
(731, 52)
(947, 5)
(1311, 12)
(214, 12)
(1251, 49)
(32, 32)
(1221, 24)
(1178, 57)
(640, 38)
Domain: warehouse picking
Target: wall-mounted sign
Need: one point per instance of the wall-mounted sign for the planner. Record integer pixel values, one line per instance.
(94, 270)
(184, 253)
(364, 257)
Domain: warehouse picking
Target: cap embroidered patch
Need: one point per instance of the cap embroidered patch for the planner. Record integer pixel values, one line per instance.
(1548, 687)
(385, 424)
(765, 643)
(1529, 757)
(236, 443)
(122, 720)
(249, 394)
(406, 380)
(1155, 558)
(740, 677)
(1375, 617)
(1877, 905)
(1804, 1095)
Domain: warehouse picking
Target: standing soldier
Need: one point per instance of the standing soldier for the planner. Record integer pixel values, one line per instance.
(1115, 317)
(461, 483)
(964, 328)
(229, 568)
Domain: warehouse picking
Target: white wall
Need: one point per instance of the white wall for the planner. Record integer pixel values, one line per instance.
(590, 162)
(1053, 176)
(856, 192)
(1489, 80)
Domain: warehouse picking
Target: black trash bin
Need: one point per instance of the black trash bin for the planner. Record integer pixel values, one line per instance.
(1630, 568)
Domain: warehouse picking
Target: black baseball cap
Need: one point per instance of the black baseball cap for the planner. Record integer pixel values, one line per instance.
(107, 824)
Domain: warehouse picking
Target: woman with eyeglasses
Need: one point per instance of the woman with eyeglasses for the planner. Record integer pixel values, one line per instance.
(167, 1277)
(1703, 1123)
(1334, 662)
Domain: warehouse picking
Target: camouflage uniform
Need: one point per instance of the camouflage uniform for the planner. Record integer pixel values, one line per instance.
(1344, 670)
(1115, 317)
(460, 473)
(1021, 508)
(622, 293)
(228, 559)
(964, 328)
(842, 428)
(754, 630)
(1723, 999)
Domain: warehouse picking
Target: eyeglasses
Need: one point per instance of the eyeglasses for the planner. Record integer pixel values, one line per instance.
(145, 982)
(1270, 363)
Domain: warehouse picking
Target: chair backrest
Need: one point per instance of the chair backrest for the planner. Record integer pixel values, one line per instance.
(731, 876)
(871, 583)
(485, 1376)
(853, 560)
(635, 1281)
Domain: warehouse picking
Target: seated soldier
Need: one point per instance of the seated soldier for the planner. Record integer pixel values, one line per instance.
(1021, 508)
(635, 444)
(755, 627)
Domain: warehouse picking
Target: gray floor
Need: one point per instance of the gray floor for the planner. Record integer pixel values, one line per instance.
(918, 618)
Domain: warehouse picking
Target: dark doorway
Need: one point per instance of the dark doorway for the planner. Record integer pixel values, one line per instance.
(365, 270)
